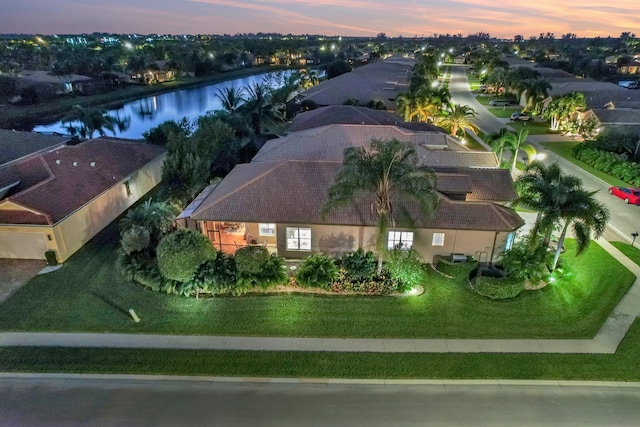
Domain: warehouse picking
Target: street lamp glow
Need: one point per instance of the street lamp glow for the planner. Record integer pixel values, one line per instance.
(439, 63)
(434, 84)
(540, 156)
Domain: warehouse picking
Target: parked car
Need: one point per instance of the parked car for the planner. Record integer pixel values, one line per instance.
(521, 117)
(499, 102)
(629, 195)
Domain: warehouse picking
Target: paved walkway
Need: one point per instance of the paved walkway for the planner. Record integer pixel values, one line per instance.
(606, 341)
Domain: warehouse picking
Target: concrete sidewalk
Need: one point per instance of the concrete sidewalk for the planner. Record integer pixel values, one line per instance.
(606, 340)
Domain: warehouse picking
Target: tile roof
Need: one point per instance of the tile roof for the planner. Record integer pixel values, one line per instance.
(15, 145)
(349, 114)
(328, 143)
(596, 94)
(486, 184)
(381, 80)
(618, 116)
(59, 182)
(295, 191)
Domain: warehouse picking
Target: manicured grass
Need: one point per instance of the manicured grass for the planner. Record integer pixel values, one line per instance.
(633, 253)
(503, 112)
(87, 294)
(621, 366)
(534, 128)
(563, 149)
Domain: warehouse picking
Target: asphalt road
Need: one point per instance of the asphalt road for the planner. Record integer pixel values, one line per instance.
(625, 219)
(49, 402)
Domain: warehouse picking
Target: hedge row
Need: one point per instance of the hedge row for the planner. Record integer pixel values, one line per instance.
(498, 288)
(616, 165)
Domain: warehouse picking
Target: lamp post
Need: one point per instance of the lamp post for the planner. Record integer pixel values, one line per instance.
(634, 235)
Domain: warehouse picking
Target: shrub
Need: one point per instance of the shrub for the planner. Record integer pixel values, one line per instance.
(255, 267)
(383, 284)
(217, 276)
(527, 262)
(181, 253)
(457, 269)
(407, 267)
(498, 288)
(360, 264)
(135, 239)
(317, 271)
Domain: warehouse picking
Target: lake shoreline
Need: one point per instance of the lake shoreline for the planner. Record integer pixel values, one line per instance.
(26, 117)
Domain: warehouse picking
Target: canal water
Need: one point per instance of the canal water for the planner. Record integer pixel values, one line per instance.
(151, 111)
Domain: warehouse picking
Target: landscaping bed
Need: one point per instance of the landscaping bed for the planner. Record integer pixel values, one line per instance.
(87, 294)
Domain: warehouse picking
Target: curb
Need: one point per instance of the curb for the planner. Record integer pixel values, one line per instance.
(443, 383)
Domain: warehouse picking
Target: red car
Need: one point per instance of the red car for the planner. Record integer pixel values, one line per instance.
(629, 195)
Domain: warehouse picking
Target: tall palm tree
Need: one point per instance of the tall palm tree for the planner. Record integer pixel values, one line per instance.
(84, 122)
(389, 171)
(513, 141)
(458, 118)
(587, 216)
(537, 91)
(547, 190)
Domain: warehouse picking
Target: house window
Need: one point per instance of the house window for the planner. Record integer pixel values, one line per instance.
(267, 229)
(298, 239)
(509, 244)
(127, 188)
(438, 239)
(400, 239)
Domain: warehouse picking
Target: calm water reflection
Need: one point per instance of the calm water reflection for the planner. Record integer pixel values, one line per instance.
(151, 111)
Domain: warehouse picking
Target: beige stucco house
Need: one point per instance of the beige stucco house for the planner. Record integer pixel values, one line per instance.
(276, 200)
(60, 199)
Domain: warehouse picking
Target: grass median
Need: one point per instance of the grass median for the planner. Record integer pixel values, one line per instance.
(87, 294)
(621, 366)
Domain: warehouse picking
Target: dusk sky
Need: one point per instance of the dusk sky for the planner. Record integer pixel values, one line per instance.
(500, 18)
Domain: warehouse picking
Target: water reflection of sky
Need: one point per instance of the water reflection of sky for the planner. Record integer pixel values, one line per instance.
(149, 112)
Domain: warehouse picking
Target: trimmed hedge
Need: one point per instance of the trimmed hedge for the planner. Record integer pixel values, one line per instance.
(455, 269)
(182, 252)
(616, 165)
(498, 288)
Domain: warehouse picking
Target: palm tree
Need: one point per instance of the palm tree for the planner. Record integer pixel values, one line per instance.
(497, 142)
(458, 118)
(512, 142)
(537, 91)
(259, 109)
(156, 217)
(586, 215)
(231, 98)
(389, 171)
(547, 190)
(87, 121)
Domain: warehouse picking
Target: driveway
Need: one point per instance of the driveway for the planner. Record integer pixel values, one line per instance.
(16, 272)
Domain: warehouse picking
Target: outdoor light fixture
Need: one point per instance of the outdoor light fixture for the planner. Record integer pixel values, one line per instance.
(634, 235)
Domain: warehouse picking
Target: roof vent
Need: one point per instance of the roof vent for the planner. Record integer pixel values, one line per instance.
(93, 164)
(57, 162)
(75, 163)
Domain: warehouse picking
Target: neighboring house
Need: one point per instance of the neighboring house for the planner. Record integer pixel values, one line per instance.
(614, 117)
(48, 85)
(349, 114)
(66, 195)
(16, 146)
(276, 199)
(380, 80)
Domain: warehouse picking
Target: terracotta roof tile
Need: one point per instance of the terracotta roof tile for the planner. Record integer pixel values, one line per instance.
(59, 182)
(295, 191)
(15, 145)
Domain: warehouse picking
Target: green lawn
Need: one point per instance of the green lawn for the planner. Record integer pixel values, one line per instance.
(534, 128)
(633, 253)
(503, 112)
(87, 294)
(621, 366)
(563, 149)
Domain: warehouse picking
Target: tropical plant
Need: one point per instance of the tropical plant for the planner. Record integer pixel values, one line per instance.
(527, 261)
(181, 253)
(537, 90)
(359, 264)
(407, 267)
(513, 141)
(84, 122)
(231, 98)
(497, 142)
(390, 172)
(586, 215)
(258, 108)
(318, 271)
(155, 217)
(458, 118)
(135, 239)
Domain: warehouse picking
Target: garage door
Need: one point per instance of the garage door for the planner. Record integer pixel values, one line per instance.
(22, 245)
